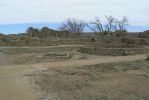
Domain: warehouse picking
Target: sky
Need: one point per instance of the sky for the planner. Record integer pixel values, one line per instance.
(17, 15)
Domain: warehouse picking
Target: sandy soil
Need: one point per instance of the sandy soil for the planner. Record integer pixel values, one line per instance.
(99, 60)
(10, 87)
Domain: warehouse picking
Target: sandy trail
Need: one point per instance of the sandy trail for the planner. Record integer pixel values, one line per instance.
(108, 59)
(12, 89)
(57, 46)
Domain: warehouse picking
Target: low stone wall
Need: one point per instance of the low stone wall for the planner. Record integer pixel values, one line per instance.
(116, 46)
(113, 51)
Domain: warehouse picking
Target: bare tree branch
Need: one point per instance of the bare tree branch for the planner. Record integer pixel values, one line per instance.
(74, 26)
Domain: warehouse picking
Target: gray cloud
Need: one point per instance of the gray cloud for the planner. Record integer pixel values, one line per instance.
(35, 11)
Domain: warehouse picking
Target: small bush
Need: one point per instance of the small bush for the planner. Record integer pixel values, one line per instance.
(147, 58)
(58, 55)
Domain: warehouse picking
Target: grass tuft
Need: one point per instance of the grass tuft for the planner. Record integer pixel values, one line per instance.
(147, 58)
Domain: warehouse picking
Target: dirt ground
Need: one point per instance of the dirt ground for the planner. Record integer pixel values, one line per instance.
(25, 74)
(113, 81)
(11, 87)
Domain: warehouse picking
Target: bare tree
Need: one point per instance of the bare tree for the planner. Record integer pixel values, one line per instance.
(110, 27)
(116, 25)
(123, 23)
(74, 26)
(96, 26)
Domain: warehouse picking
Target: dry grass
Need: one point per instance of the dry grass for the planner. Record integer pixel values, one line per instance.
(30, 55)
(115, 81)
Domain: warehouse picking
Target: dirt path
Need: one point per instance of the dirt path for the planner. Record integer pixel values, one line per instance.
(91, 61)
(44, 46)
(12, 89)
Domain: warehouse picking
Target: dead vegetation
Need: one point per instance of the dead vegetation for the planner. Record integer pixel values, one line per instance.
(114, 50)
(58, 55)
(32, 55)
(115, 81)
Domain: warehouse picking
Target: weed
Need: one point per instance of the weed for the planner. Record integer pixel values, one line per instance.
(147, 58)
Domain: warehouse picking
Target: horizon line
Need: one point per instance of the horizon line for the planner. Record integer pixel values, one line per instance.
(21, 27)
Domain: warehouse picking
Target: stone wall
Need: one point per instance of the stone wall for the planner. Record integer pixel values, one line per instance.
(113, 51)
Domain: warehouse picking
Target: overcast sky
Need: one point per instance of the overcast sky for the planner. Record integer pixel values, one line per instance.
(45, 11)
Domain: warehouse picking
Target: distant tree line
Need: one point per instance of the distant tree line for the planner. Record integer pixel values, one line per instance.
(75, 27)
(40, 33)
(45, 32)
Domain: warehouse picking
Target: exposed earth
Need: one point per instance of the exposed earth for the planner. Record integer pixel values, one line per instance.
(27, 74)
